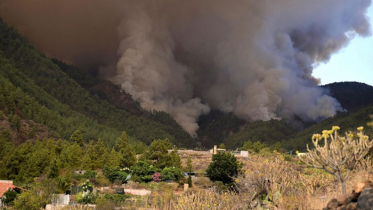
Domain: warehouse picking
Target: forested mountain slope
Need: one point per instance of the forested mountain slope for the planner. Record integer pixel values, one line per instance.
(351, 95)
(66, 104)
(356, 98)
(116, 96)
(216, 126)
(347, 121)
(273, 131)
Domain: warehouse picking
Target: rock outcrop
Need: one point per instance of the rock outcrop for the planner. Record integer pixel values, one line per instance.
(361, 198)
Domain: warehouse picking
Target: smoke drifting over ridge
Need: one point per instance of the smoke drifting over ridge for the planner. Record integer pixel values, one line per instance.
(250, 57)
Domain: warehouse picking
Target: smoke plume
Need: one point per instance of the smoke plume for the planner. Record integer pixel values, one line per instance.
(253, 58)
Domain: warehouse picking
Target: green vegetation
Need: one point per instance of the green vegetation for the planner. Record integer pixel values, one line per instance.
(159, 156)
(172, 173)
(116, 174)
(224, 168)
(29, 201)
(35, 88)
(277, 134)
(269, 132)
(143, 172)
(348, 121)
(351, 95)
(253, 147)
(217, 126)
(127, 156)
(8, 197)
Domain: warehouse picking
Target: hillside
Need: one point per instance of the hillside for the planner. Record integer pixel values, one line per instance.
(269, 132)
(116, 96)
(216, 126)
(356, 98)
(351, 95)
(347, 121)
(57, 101)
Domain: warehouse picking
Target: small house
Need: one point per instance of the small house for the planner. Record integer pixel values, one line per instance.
(6, 185)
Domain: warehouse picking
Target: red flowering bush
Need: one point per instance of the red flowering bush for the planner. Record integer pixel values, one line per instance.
(156, 177)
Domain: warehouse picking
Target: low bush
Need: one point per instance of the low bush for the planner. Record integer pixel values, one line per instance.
(172, 173)
(90, 174)
(115, 173)
(143, 171)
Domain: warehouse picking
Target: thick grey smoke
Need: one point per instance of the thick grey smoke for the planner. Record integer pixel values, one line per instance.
(250, 57)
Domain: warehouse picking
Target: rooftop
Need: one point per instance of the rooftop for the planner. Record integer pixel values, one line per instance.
(5, 185)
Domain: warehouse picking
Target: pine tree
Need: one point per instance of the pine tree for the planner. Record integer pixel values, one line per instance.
(102, 154)
(127, 156)
(3, 174)
(77, 137)
(158, 153)
(87, 162)
(224, 167)
(53, 170)
(71, 156)
(90, 157)
(175, 158)
(113, 159)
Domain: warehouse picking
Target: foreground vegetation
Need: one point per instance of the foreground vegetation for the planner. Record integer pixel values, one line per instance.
(264, 180)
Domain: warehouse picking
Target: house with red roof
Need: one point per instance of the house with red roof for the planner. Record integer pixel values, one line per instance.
(5, 185)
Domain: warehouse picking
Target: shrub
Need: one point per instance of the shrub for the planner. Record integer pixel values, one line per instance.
(269, 178)
(115, 173)
(86, 198)
(8, 197)
(101, 181)
(220, 186)
(90, 174)
(172, 173)
(104, 204)
(224, 167)
(340, 155)
(87, 186)
(156, 177)
(28, 201)
(143, 172)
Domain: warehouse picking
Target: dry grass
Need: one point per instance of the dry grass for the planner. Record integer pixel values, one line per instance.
(200, 159)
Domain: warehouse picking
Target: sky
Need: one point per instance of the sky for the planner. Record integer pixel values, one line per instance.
(353, 63)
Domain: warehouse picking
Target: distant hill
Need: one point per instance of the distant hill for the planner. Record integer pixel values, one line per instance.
(273, 131)
(351, 95)
(356, 98)
(347, 121)
(38, 90)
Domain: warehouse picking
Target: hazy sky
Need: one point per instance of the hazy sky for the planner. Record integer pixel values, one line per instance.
(353, 63)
